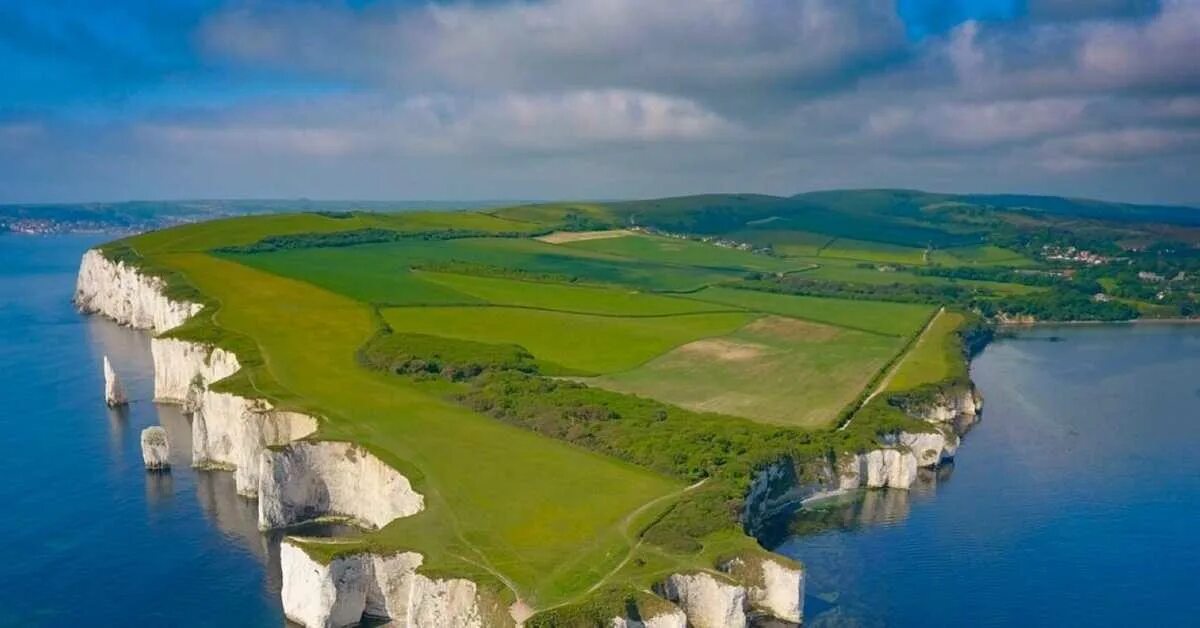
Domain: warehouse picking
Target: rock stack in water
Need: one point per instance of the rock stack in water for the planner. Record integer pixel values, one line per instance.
(155, 449)
(114, 392)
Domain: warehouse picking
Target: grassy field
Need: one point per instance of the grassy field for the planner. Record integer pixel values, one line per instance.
(582, 343)
(663, 250)
(983, 255)
(934, 358)
(863, 250)
(894, 319)
(775, 370)
(832, 269)
(566, 298)
(542, 515)
(336, 268)
(785, 242)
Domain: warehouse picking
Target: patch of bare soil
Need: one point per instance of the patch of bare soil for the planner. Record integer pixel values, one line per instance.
(722, 349)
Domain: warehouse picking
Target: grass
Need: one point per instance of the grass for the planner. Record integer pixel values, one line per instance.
(357, 272)
(375, 272)
(567, 298)
(936, 357)
(544, 516)
(664, 250)
(894, 319)
(774, 370)
(849, 271)
(864, 250)
(784, 241)
(581, 343)
(982, 255)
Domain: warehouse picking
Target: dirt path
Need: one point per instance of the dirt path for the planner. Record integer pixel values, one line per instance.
(624, 524)
(887, 379)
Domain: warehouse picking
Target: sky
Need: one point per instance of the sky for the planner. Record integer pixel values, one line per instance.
(104, 100)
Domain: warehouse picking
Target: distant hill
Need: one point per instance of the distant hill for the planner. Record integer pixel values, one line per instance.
(900, 217)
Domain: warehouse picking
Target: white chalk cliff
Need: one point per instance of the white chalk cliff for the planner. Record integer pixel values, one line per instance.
(127, 296)
(363, 585)
(114, 391)
(308, 480)
(708, 601)
(668, 618)
(156, 450)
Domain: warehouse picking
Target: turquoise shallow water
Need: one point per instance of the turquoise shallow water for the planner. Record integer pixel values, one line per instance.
(1076, 502)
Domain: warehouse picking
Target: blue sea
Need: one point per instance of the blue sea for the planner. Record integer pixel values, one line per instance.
(91, 538)
(1075, 502)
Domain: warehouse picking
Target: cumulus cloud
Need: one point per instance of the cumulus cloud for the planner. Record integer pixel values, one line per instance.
(618, 98)
(725, 48)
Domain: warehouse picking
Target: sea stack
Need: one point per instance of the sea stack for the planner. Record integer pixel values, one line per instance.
(156, 451)
(114, 392)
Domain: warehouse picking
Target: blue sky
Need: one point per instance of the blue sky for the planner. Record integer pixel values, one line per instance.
(107, 100)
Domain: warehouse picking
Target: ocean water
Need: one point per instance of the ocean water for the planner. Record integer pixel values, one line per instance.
(90, 538)
(1075, 502)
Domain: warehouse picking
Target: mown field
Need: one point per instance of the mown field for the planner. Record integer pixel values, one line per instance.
(581, 343)
(894, 319)
(774, 369)
(673, 251)
(934, 358)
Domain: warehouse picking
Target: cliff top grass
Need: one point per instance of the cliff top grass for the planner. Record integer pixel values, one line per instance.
(433, 340)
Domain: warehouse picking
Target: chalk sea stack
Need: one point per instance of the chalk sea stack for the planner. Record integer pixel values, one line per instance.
(156, 451)
(114, 391)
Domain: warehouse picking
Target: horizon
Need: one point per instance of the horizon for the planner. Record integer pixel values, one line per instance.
(482, 203)
(579, 99)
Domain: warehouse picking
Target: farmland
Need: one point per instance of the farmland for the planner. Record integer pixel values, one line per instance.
(775, 370)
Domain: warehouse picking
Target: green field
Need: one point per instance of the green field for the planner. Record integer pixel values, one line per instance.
(566, 298)
(775, 369)
(895, 319)
(867, 251)
(338, 268)
(582, 343)
(664, 250)
(553, 520)
(934, 358)
(985, 255)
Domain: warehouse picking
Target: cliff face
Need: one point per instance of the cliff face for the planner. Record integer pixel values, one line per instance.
(707, 601)
(125, 295)
(307, 480)
(673, 618)
(951, 412)
(360, 585)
